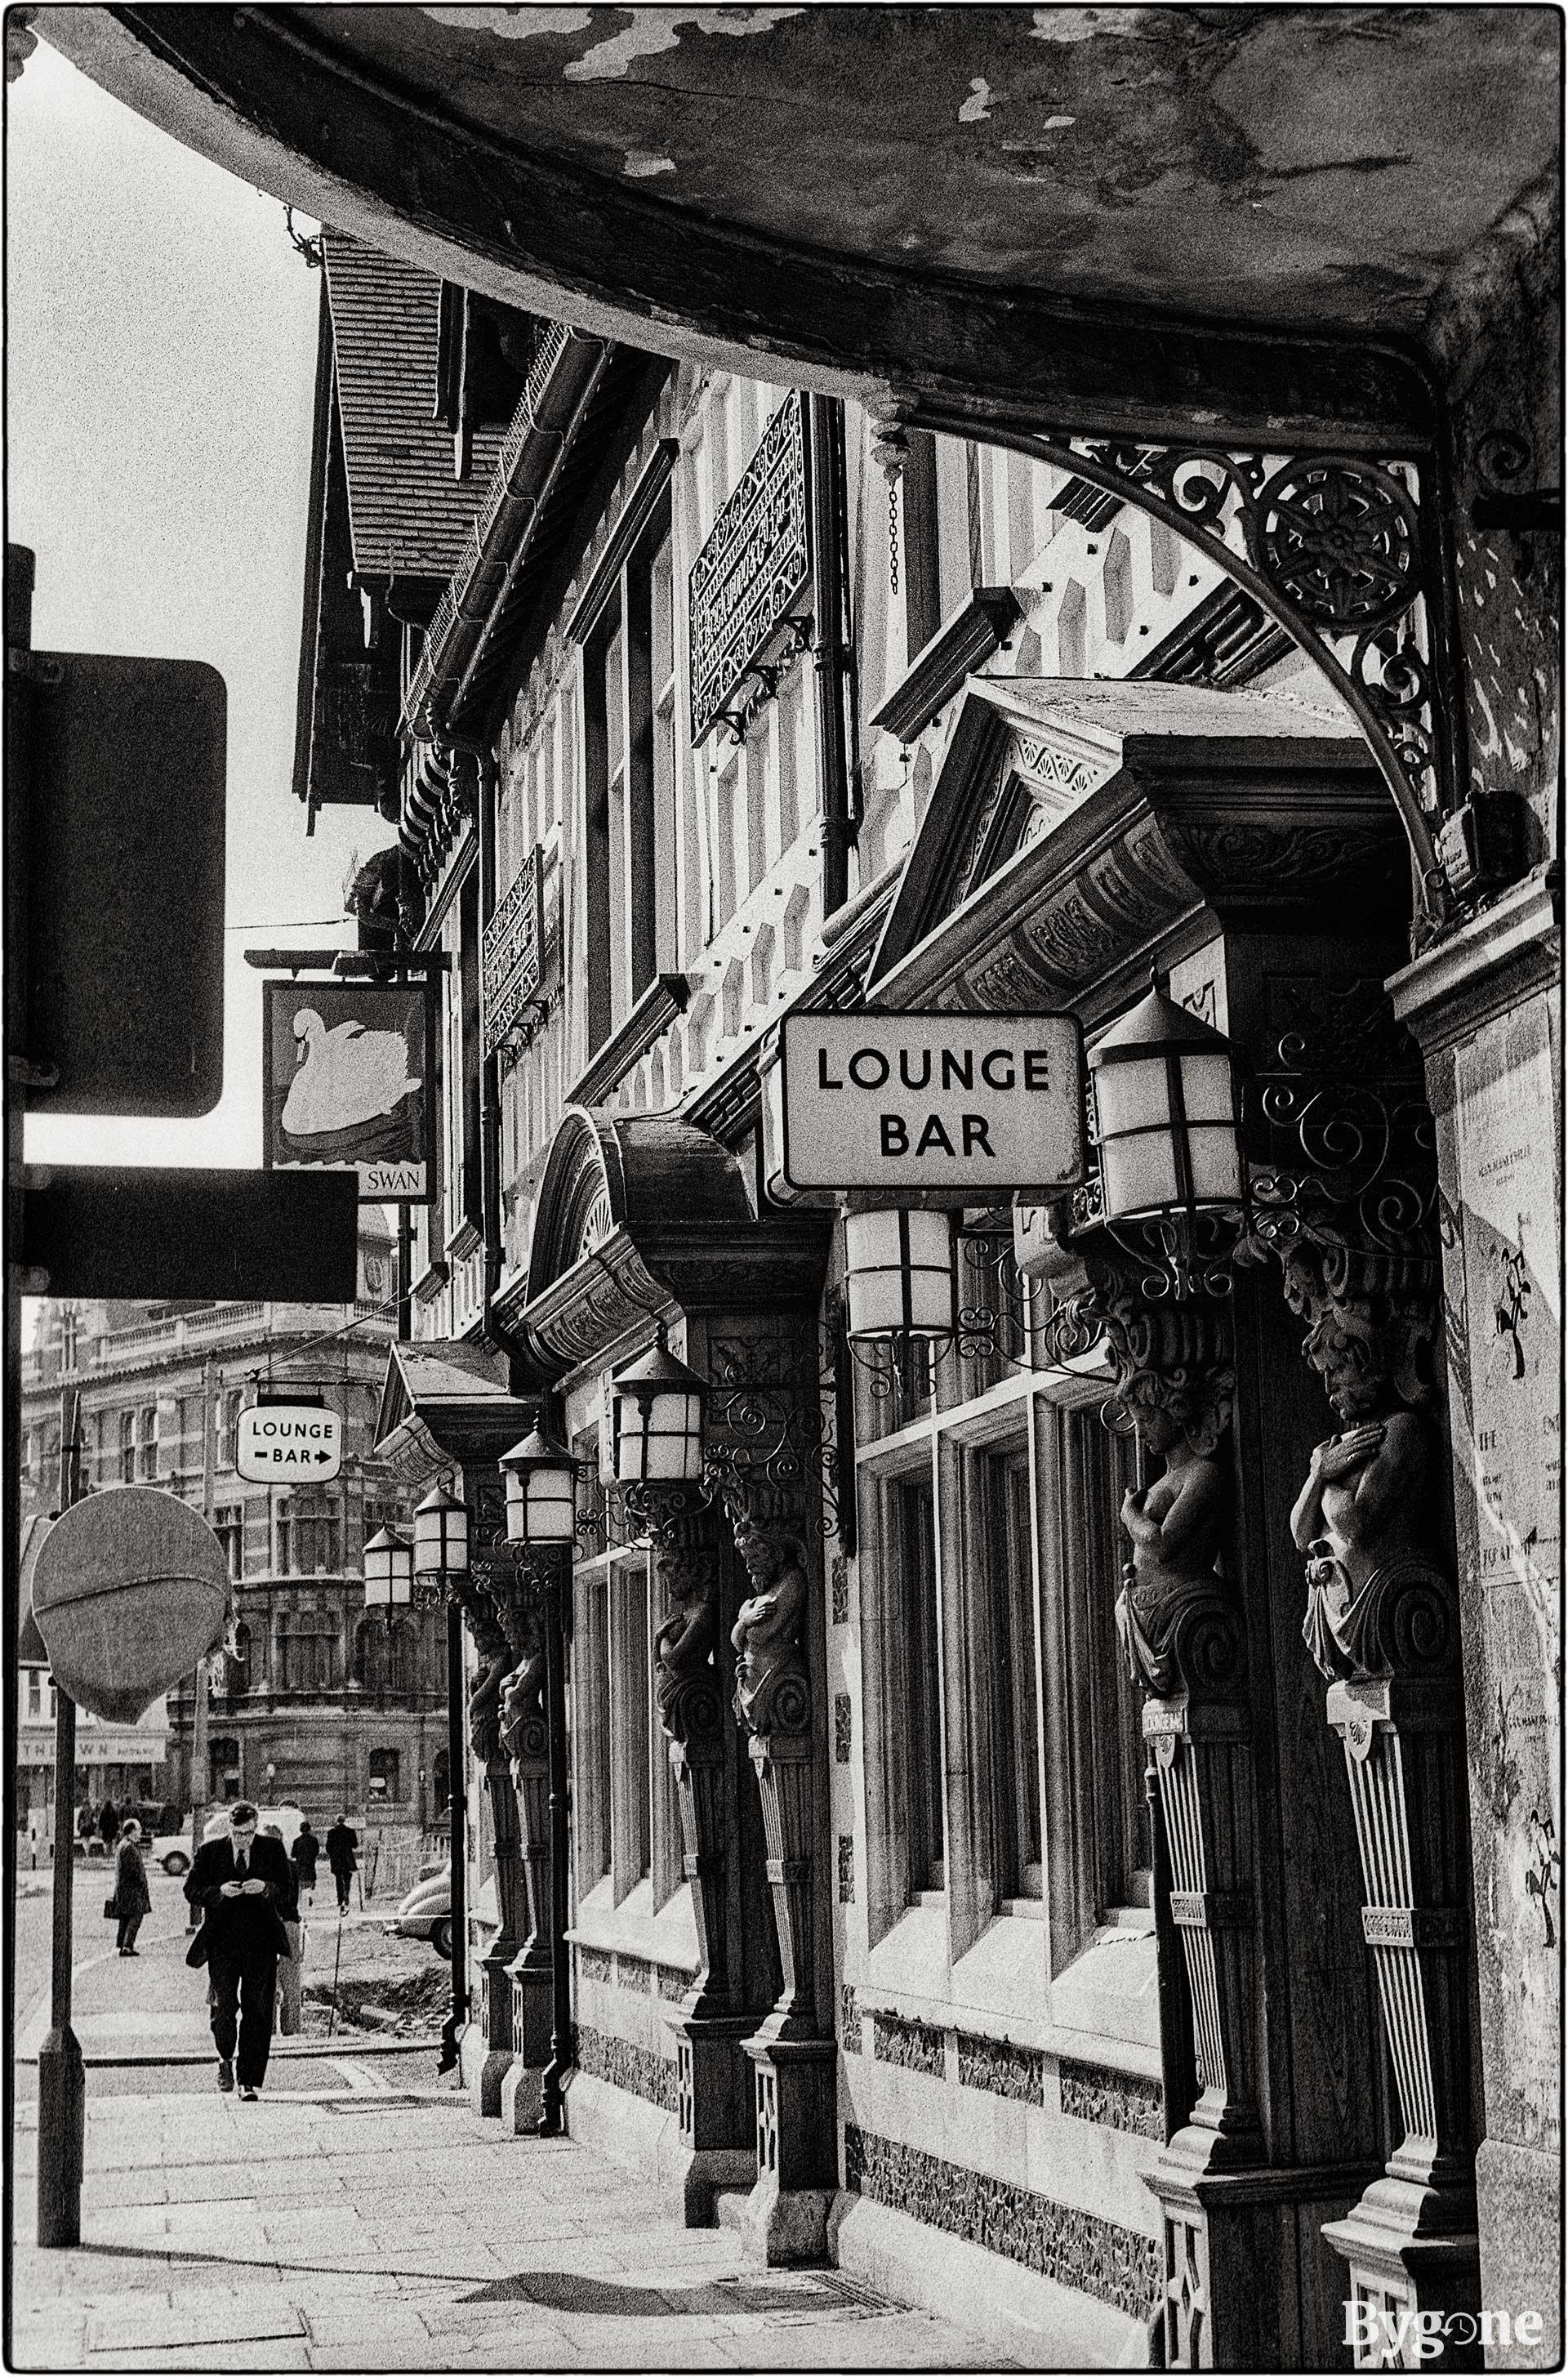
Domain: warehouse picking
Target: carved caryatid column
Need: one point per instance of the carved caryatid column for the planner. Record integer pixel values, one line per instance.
(484, 1741)
(1382, 1625)
(525, 1741)
(691, 1557)
(797, 2161)
(1182, 1635)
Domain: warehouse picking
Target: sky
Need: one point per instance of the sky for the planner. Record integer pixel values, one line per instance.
(161, 346)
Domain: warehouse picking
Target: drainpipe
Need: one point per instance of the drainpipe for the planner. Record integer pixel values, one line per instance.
(490, 1075)
(832, 658)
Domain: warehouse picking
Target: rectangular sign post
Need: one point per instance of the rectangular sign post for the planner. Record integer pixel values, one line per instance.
(962, 1107)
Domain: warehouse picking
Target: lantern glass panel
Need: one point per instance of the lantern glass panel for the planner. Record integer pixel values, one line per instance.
(1215, 1159)
(1207, 1087)
(1131, 1094)
(1138, 1173)
(899, 1273)
(552, 1507)
(377, 1583)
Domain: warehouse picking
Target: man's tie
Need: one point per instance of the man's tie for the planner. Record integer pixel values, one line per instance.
(240, 1867)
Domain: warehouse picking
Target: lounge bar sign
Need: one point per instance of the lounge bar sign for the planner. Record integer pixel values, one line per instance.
(753, 567)
(285, 1443)
(968, 1104)
(512, 955)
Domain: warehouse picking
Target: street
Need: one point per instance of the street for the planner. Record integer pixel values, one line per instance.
(154, 2006)
(361, 2214)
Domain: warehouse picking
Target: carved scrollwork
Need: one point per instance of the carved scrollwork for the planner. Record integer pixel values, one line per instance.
(1330, 546)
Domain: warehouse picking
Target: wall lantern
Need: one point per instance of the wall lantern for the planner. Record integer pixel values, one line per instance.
(542, 1502)
(657, 1420)
(1165, 1092)
(900, 1289)
(441, 1537)
(388, 1572)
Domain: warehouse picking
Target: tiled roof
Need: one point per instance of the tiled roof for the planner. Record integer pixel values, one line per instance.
(408, 514)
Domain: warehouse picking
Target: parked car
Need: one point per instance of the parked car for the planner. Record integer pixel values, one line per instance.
(175, 1854)
(426, 1912)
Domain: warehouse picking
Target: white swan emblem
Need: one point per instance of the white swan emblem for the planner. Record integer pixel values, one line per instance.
(346, 1076)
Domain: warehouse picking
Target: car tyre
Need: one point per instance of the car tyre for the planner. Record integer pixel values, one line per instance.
(441, 1937)
(175, 1863)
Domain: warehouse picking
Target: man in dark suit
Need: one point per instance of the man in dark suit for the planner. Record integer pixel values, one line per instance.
(244, 1884)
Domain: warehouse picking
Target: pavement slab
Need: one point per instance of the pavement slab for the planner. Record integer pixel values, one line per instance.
(408, 2234)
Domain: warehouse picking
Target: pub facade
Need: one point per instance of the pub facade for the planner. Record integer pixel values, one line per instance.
(1024, 1821)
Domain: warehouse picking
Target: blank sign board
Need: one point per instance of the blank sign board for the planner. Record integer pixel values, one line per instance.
(125, 782)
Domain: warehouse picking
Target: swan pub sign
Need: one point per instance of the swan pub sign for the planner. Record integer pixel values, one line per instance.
(347, 1079)
(961, 1105)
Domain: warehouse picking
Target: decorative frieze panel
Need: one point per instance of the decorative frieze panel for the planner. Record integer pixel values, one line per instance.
(914, 2046)
(1116, 2265)
(1117, 2099)
(1002, 2069)
(512, 956)
(840, 1575)
(846, 1869)
(849, 2018)
(842, 1727)
(593, 1964)
(753, 567)
(621, 2064)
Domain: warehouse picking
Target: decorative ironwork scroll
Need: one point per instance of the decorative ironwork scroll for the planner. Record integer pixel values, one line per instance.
(513, 955)
(1338, 549)
(754, 568)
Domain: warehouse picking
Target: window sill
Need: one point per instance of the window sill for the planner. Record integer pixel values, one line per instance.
(664, 999)
(959, 647)
(1104, 2009)
(634, 1929)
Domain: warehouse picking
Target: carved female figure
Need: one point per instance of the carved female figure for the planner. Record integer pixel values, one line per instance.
(1177, 1523)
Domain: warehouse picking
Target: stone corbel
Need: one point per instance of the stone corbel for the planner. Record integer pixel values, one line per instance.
(690, 1556)
(495, 1658)
(524, 1740)
(796, 2146)
(1383, 1626)
(1180, 1625)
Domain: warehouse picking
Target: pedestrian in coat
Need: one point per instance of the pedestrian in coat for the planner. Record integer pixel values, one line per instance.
(109, 1824)
(241, 1882)
(132, 1897)
(303, 1855)
(342, 1842)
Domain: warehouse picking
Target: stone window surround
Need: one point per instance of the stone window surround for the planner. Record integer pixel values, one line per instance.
(642, 1792)
(1000, 1417)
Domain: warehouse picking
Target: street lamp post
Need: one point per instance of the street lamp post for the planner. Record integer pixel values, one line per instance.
(61, 2084)
(440, 1556)
(541, 1518)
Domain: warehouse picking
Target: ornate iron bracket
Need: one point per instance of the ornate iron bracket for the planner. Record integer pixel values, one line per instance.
(770, 675)
(1342, 551)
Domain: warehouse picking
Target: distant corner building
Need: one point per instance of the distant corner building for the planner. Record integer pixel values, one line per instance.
(321, 1704)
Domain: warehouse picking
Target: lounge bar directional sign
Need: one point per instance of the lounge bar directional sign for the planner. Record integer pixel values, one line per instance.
(968, 1104)
(280, 1444)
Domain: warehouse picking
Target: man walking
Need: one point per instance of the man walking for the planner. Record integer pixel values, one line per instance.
(342, 1842)
(303, 1856)
(240, 1882)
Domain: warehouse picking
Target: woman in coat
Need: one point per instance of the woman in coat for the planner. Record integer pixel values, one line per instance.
(132, 1898)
